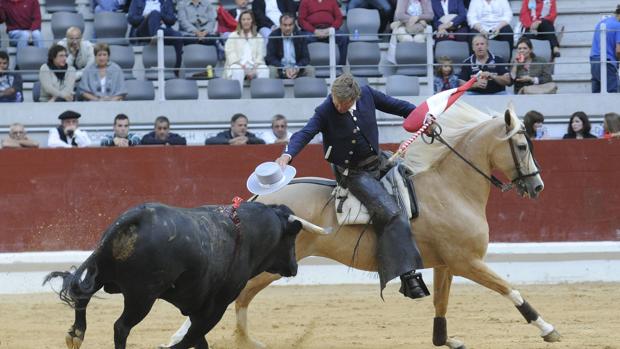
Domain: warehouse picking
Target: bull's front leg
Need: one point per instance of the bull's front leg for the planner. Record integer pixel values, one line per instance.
(75, 335)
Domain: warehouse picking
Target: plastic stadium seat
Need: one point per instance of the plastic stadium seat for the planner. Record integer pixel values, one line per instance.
(52, 6)
(457, 51)
(266, 88)
(361, 81)
(319, 58)
(408, 54)
(61, 21)
(365, 21)
(307, 87)
(197, 57)
(36, 91)
(124, 57)
(542, 49)
(30, 58)
(224, 89)
(500, 48)
(149, 60)
(364, 58)
(402, 85)
(140, 90)
(181, 89)
(111, 28)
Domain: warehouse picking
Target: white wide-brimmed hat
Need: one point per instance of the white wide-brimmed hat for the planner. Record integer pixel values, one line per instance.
(269, 177)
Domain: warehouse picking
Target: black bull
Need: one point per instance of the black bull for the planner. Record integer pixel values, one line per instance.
(198, 259)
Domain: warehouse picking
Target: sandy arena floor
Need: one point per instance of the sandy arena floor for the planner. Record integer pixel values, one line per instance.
(329, 317)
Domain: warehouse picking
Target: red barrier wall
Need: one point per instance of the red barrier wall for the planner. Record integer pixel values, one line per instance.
(56, 199)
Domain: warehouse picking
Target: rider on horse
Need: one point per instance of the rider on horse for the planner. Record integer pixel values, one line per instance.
(348, 124)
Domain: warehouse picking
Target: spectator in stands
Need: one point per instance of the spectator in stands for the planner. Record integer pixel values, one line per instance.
(611, 125)
(10, 83)
(384, 7)
(121, 137)
(18, 138)
(198, 21)
(445, 78)
(268, 13)
(109, 5)
(23, 22)
(529, 69)
(494, 76)
(537, 17)
(533, 122)
(279, 133)
(80, 52)
(410, 20)
(316, 17)
(492, 19)
(245, 52)
(237, 134)
(450, 20)
(612, 48)
(103, 80)
(162, 135)
(148, 16)
(56, 77)
(287, 50)
(240, 7)
(68, 134)
(578, 127)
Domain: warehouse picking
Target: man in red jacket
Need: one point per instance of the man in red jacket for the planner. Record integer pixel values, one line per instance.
(23, 22)
(316, 17)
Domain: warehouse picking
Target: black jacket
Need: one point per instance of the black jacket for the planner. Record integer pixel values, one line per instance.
(173, 139)
(275, 49)
(258, 7)
(225, 136)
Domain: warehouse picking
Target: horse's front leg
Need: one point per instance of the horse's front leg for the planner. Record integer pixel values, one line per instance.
(480, 273)
(442, 280)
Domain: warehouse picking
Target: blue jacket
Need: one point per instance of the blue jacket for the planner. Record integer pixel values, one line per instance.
(337, 129)
(454, 7)
(134, 17)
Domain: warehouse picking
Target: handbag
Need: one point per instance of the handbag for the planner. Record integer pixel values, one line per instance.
(546, 88)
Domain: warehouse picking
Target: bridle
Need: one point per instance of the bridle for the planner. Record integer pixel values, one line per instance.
(504, 187)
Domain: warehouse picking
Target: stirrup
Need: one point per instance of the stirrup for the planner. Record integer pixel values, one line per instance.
(413, 286)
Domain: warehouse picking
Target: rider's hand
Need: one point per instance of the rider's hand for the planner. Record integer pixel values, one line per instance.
(283, 160)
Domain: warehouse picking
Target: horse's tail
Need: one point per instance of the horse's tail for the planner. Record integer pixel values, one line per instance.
(75, 285)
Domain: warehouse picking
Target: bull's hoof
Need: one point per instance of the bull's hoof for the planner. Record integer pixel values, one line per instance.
(73, 342)
(553, 336)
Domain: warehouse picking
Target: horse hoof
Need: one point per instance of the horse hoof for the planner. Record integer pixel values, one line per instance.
(553, 336)
(245, 342)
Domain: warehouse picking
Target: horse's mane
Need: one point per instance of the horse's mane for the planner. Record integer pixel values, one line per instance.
(456, 122)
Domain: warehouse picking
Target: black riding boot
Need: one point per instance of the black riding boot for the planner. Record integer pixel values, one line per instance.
(412, 285)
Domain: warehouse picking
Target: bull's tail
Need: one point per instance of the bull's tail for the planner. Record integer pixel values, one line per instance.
(75, 285)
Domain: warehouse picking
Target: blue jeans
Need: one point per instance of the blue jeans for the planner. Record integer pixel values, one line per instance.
(612, 76)
(149, 27)
(384, 7)
(20, 38)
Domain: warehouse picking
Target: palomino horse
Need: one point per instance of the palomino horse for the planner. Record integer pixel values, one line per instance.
(451, 230)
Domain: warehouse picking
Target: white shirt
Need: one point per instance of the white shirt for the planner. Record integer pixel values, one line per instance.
(272, 11)
(54, 141)
(270, 138)
(488, 15)
(151, 5)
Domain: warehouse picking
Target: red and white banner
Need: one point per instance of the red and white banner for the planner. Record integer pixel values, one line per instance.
(435, 106)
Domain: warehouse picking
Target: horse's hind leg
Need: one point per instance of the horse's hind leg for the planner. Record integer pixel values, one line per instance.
(480, 273)
(255, 285)
(136, 307)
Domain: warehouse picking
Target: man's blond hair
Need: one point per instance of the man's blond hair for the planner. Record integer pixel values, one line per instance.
(346, 88)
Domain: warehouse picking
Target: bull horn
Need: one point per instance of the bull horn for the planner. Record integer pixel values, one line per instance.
(313, 228)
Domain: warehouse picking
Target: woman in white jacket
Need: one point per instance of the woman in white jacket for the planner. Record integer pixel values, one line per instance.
(492, 18)
(245, 51)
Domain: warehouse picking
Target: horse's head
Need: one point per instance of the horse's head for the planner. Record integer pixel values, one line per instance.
(515, 158)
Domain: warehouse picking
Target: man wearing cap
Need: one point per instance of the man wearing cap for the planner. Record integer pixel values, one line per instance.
(67, 135)
(612, 49)
(348, 124)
